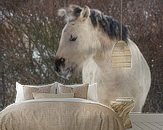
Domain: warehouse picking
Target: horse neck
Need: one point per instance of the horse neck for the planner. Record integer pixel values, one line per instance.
(103, 54)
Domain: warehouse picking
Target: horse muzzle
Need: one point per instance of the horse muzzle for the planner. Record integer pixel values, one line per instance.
(63, 69)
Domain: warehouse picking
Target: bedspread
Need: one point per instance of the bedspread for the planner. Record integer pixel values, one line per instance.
(59, 114)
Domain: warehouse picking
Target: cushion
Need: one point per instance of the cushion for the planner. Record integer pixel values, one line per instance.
(28, 90)
(19, 93)
(21, 90)
(92, 92)
(51, 95)
(79, 90)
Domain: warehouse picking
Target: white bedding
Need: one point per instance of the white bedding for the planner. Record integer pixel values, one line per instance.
(59, 114)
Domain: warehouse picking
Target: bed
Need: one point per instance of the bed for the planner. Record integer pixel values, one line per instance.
(59, 114)
(64, 114)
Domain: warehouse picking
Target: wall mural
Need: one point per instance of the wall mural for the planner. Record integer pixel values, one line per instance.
(38, 47)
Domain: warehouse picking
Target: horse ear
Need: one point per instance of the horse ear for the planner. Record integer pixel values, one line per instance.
(62, 12)
(85, 12)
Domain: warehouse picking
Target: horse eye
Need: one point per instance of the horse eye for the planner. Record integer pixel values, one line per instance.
(72, 38)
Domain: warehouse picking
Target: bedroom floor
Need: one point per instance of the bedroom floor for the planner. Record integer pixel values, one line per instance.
(147, 121)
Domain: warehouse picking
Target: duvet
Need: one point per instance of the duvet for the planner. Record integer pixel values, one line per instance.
(59, 114)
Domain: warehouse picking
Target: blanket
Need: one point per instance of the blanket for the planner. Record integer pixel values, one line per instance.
(59, 114)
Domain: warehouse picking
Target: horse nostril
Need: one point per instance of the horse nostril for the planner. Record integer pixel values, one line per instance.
(57, 69)
(58, 63)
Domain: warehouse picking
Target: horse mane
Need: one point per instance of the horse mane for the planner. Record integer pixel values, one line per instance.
(109, 25)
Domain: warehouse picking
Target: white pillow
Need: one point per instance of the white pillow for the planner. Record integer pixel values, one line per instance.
(79, 90)
(20, 92)
(51, 95)
(58, 84)
(92, 92)
(54, 87)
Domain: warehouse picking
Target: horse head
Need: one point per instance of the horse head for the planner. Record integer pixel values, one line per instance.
(76, 40)
(87, 33)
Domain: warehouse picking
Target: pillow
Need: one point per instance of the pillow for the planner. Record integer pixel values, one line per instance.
(51, 95)
(79, 90)
(20, 90)
(55, 87)
(28, 90)
(19, 93)
(92, 92)
(58, 84)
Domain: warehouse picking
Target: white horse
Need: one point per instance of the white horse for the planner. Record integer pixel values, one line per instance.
(87, 41)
